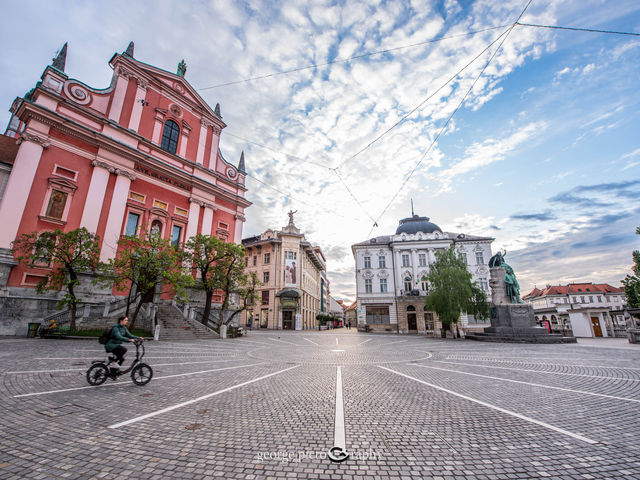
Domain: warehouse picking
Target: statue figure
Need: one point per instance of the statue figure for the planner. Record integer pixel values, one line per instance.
(498, 259)
(291, 217)
(182, 68)
(512, 287)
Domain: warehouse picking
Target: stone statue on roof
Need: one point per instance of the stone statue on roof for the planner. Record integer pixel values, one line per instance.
(291, 212)
(182, 68)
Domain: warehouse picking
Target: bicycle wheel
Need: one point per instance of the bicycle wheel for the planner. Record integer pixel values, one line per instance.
(141, 374)
(97, 374)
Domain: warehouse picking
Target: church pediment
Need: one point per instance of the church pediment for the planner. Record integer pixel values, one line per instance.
(176, 84)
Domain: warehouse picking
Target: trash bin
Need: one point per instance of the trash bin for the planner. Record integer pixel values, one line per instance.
(32, 330)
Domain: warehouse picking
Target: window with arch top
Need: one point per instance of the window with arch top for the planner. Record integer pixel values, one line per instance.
(170, 135)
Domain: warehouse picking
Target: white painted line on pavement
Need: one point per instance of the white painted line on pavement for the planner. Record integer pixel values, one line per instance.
(541, 371)
(387, 344)
(123, 384)
(284, 341)
(362, 343)
(311, 341)
(339, 439)
(533, 384)
(189, 402)
(336, 340)
(259, 343)
(155, 365)
(499, 409)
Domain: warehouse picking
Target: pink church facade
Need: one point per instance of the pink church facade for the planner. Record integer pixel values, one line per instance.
(142, 153)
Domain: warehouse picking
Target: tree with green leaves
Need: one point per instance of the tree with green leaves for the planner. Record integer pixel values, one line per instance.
(451, 290)
(142, 263)
(64, 255)
(632, 282)
(221, 268)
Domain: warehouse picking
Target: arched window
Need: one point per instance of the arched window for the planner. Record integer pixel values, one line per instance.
(407, 283)
(411, 308)
(170, 136)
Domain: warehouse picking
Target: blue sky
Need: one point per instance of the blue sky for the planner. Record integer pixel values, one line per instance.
(543, 155)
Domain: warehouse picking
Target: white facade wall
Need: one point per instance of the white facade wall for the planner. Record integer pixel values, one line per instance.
(394, 271)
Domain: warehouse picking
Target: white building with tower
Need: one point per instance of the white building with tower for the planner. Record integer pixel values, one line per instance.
(391, 272)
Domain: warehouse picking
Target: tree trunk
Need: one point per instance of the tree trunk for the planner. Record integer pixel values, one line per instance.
(146, 298)
(443, 332)
(207, 307)
(72, 305)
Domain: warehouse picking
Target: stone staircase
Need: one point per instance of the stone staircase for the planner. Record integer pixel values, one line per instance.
(174, 327)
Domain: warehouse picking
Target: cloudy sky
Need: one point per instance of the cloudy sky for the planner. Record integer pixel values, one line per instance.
(528, 135)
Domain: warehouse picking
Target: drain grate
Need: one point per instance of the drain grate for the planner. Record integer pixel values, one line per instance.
(62, 410)
(194, 426)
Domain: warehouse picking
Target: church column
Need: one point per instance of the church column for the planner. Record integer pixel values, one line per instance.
(207, 219)
(157, 126)
(202, 140)
(215, 141)
(95, 195)
(186, 130)
(119, 93)
(194, 216)
(138, 105)
(237, 236)
(18, 187)
(116, 214)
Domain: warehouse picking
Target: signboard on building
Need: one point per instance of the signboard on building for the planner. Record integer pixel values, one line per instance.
(290, 273)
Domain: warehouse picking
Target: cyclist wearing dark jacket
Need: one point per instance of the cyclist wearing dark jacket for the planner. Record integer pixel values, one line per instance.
(119, 335)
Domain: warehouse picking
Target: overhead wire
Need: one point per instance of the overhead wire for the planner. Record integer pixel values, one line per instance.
(577, 29)
(348, 59)
(435, 139)
(408, 114)
(277, 151)
(334, 169)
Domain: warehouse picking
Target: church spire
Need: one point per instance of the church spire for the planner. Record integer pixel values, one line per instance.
(129, 50)
(60, 59)
(241, 167)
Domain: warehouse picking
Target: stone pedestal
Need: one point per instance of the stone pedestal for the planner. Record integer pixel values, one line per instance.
(513, 322)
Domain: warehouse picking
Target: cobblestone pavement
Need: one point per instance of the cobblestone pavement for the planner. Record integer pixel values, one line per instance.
(264, 406)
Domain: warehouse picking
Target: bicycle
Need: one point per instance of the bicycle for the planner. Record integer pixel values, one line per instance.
(141, 372)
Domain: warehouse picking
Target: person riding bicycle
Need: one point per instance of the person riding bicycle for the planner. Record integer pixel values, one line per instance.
(119, 335)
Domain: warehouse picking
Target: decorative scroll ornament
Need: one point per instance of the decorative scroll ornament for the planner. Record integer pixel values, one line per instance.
(196, 201)
(239, 216)
(206, 123)
(105, 165)
(232, 173)
(178, 87)
(30, 137)
(211, 206)
(175, 110)
(77, 93)
(142, 83)
(125, 173)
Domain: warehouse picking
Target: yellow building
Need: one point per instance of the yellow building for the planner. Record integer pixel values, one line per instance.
(293, 276)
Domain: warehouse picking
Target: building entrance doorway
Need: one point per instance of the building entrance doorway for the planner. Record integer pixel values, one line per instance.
(287, 320)
(412, 322)
(595, 323)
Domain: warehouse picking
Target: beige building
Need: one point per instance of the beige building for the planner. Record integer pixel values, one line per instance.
(294, 281)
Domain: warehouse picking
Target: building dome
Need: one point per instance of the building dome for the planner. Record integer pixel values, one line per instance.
(417, 224)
